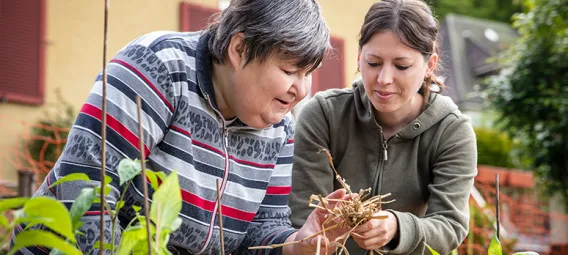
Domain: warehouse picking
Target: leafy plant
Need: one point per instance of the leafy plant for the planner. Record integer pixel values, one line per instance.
(59, 226)
(496, 148)
(531, 90)
(60, 116)
(493, 249)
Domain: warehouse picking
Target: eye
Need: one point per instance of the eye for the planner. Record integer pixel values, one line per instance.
(288, 72)
(402, 68)
(371, 64)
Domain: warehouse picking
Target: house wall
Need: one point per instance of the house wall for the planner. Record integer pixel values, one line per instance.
(74, 38)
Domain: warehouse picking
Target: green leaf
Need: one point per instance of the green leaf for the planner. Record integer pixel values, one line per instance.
(166, 203)
(176, 224)
(31, 221)
(12, 203)
(119, 205)
(136, 208)
(55, 211)
(132, 237)
(495, 246)
(98, 190)
(81, 204)
(3, 221)
(434, 252)
(128, 169)
(106, 246)
(108, 180)
(161, 175)
(71, 177)
(56, 252)
(45, 239)
(153, 179)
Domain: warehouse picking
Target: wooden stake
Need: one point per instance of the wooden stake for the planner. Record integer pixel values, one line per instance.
(221, 237)
(143, 172)
(103, 134)
(497, 205)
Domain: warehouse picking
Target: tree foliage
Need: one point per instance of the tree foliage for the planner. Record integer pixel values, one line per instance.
(531, 92)
(498, 10)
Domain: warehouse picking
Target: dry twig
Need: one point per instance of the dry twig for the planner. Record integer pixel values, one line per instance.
(353, 212)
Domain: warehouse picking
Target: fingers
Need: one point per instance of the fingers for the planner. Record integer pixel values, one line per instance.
(380, 230)
(320, 243)
(372, 243)
(336, 194)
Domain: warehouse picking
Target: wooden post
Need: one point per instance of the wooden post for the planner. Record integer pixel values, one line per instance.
(25, 183)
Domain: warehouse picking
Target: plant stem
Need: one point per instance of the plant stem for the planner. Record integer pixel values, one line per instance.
(497, 205)
(103, 134)
(115, 216)
(143, 179)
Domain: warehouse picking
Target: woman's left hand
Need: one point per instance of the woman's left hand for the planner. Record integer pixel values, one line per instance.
(376, 233)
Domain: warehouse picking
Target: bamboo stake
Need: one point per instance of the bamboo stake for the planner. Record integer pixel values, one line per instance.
(103, 133)
(221, 238)
(143, 172)
(497, 205)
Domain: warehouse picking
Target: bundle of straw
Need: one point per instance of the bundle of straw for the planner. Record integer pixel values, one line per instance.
(352, 212)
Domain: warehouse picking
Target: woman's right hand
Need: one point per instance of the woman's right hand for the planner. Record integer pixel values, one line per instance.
(313, 225)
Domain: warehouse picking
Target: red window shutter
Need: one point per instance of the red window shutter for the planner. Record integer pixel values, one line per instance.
(22, 30)
(332, 72)
(195, 17)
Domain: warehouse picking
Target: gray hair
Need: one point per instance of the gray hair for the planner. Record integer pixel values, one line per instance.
(292, 29)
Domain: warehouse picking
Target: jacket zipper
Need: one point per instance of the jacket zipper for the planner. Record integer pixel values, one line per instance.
(225, 134)
(379, 177)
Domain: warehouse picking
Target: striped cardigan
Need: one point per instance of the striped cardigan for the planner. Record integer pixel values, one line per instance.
(183, 130)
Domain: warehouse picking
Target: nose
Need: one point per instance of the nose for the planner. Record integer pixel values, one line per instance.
(385, 75)
(301, 87)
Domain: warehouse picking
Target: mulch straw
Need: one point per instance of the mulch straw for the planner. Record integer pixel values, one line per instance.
(351, 213)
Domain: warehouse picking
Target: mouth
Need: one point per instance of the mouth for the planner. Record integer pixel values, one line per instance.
(285, 103)
(384, 94)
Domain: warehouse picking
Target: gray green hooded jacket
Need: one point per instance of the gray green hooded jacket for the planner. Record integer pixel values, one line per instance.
(428, 166)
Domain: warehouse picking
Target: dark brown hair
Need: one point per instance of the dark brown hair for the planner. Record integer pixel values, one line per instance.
(412, 21)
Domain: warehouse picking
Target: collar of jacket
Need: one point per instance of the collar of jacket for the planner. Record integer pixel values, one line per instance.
(437, 108)
(203, 66)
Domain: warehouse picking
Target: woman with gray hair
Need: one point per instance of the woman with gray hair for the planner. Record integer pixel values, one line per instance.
(215, 108)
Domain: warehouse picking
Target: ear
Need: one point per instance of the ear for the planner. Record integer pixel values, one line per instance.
(236, 50)
(432, 64)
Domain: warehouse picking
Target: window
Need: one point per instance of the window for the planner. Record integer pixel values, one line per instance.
(22, 31)
(195, 17)
(223, 4)
(332, 72)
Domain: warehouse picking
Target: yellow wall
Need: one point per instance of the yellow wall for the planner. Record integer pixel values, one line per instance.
(344, 19)
(74, 48)
(74, 35)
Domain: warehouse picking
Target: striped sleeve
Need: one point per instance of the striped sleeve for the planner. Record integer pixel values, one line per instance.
(272, 225)
(135, 71)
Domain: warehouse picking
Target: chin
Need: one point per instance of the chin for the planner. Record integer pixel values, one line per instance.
(263, 121)
(258, 123)
(386, 108)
